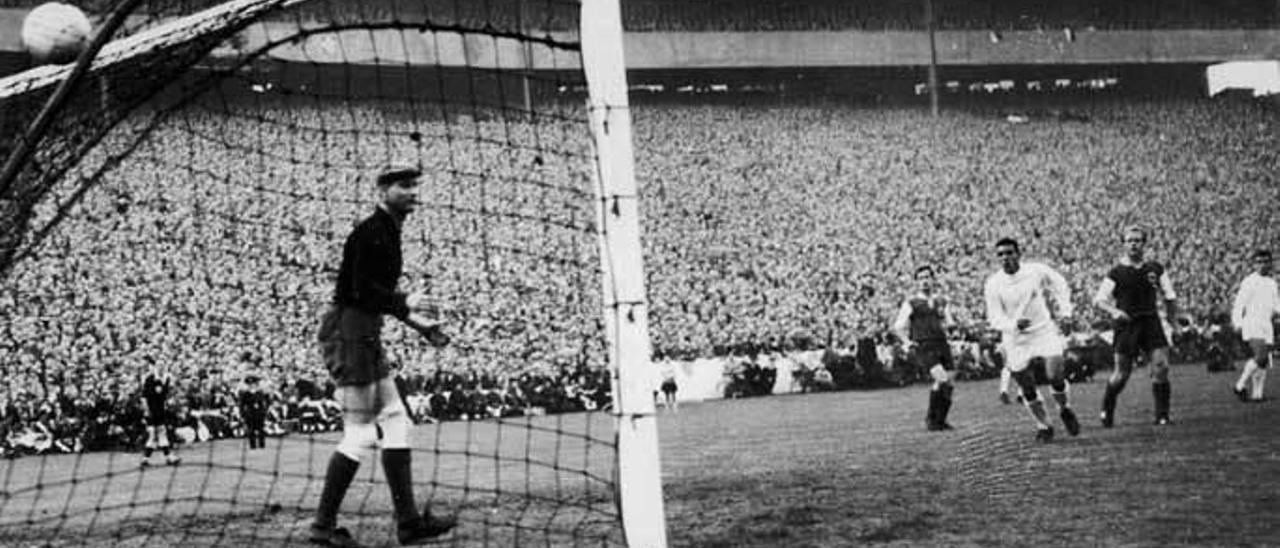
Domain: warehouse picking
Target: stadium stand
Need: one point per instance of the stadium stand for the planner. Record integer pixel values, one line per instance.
(769, 15)
(763, 222)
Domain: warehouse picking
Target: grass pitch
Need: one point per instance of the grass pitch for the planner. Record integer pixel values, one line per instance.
(831, 469)
(858, 469)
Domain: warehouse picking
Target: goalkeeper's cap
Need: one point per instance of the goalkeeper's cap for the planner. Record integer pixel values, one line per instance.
(398, 173)
(251, 379)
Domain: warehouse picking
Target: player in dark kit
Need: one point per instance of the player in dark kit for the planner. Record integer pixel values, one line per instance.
(669, 388)
(922, 324)
(254, 402)
(350, 342)
(1132, 294)
(156, 388)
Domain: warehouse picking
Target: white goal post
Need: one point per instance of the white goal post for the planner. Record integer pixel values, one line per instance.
(622, 265)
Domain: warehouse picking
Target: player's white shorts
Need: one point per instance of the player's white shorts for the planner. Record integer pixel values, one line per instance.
(1263, 331)
(1022, 347)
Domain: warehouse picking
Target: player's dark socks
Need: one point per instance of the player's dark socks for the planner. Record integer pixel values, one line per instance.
(931, 416)
(396, 465)
(939, 406)
(1160, 391)
(1069, 421)
(944, 404)
(336, 481)
(1109, 400)
(146, 453)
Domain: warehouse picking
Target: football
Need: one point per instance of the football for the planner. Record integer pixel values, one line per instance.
(55, 33)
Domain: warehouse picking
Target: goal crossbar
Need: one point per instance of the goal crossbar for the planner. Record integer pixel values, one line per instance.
(162, 36)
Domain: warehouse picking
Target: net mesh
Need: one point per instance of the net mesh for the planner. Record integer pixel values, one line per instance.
(187, 208)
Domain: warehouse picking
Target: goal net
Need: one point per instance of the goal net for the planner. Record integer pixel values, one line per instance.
(179, 197)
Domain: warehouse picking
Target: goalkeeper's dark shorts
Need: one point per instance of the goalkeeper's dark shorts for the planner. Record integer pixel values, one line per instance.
(351, 345)
(366, 403)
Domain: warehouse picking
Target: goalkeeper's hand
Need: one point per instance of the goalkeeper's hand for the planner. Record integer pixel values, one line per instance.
(420, 302)
(431, 329)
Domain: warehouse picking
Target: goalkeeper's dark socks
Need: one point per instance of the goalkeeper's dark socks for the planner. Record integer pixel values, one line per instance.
(336, 481)
(396, 465)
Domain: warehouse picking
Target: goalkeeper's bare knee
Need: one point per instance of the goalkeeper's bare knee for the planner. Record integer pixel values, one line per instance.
(358, 440)
(395, 430)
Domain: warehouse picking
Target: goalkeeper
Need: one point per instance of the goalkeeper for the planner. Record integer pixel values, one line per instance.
(351, 345)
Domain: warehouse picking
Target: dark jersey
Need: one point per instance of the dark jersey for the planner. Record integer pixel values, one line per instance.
(155, 393)
(1137, 288)
(927, 319)
(372, 262)
(253, 402)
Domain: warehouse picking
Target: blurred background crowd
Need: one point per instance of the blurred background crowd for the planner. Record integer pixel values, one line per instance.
(768, 230)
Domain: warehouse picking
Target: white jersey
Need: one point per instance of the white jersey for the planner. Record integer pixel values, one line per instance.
(1256, 303)
(1024, 295)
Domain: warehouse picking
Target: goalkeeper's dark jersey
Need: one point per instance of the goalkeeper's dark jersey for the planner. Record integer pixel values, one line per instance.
(372, 262)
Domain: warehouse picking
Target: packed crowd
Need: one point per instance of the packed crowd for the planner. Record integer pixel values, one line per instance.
(771, 15)
(824, 15)
(768, 222)
(64, 416)
(768, 228)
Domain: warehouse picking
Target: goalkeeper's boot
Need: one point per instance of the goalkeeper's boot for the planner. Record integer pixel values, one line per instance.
(426, 528)
(336, 537)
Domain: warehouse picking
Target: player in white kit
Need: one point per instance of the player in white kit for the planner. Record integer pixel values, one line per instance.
(1257, 304)
(1018, 305)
